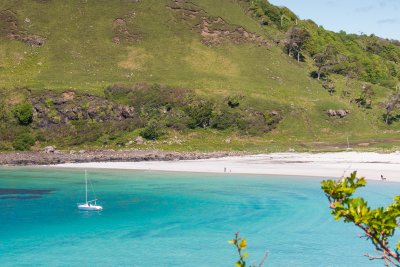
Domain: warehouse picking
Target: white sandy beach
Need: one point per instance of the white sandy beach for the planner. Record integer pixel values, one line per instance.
(326, 165)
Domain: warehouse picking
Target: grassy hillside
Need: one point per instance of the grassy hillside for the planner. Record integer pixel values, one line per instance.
(217, 49)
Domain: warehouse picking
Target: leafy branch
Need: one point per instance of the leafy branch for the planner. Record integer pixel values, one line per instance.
(241, 245)
(378, 224)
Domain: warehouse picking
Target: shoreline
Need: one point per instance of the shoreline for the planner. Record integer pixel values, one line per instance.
(30, 158)
(327, 165)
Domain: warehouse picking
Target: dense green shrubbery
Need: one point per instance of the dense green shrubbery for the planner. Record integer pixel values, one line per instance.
(24, 141)
(271, 15)
(200, 114)
(152, 131)
(24, 113)
(225, 119)
(181, 110)
(4, 146)
(4, 114)
(83, 131)
(154, 109)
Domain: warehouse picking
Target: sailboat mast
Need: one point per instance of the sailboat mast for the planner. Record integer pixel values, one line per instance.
(86, 184)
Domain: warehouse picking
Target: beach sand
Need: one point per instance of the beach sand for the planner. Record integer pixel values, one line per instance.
(326, 165)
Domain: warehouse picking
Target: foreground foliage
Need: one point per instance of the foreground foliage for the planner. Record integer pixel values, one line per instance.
(241, 245)
(378, 224)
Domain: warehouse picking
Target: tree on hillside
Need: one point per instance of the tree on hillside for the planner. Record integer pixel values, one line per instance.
(295, 40)
(200, 114)
(378, 224)
(392, 104)
(329, 85)
(351, 74)
(325, 60)
(364, 100)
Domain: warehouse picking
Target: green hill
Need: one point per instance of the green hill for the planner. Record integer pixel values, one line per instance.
(187, 75)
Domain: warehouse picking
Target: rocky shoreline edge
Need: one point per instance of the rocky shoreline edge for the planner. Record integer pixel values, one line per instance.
(59, 157)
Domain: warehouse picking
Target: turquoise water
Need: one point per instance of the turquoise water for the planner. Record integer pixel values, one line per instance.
(173, 219)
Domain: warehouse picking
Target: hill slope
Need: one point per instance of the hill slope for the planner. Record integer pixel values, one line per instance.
(61, 57)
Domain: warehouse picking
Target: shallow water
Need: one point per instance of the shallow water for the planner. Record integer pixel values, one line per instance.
(173, 219)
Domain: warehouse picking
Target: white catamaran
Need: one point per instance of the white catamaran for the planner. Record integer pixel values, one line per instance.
(88, 204)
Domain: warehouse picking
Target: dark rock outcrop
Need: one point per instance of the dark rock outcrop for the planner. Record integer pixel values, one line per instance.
(213, 30)
(12, 31)
(52, 108)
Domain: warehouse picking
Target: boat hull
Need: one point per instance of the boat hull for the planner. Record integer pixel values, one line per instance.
(90, 207)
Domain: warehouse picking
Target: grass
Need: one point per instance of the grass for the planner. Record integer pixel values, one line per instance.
(79, 54)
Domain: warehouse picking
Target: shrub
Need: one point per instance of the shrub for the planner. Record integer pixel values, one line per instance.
(86, 132)
(24, 114)
(258, 123)
(224, 119)
(4, 114)
(200, 114)
(4, 146)
(24, 142)
(152, 131)
(234, 101)
(104, 139)
(329, 85)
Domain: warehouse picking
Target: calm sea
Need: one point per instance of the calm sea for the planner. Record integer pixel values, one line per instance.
(155, 219)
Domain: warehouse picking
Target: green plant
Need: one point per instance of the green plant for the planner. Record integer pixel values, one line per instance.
(329, 85)
(391, 105)
(325, 60)
(24, 113)
(364, 100)
(200, 114)
(234, 101)
(152, 131)
(241, 245)
(5, 146)
(295, 40)
(4, 113)
(224, 119)
(378, 225)
(24, 142)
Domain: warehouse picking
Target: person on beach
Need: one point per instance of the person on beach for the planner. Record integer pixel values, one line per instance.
(383, 178)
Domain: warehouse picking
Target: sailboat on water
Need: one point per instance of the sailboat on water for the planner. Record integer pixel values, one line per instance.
(91, 204)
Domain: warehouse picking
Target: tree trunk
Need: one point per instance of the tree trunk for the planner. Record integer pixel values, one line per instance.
(298, 56)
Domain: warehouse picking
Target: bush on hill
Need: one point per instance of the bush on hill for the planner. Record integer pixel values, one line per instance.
(24, 113)
(24, 141)
(152, 131)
